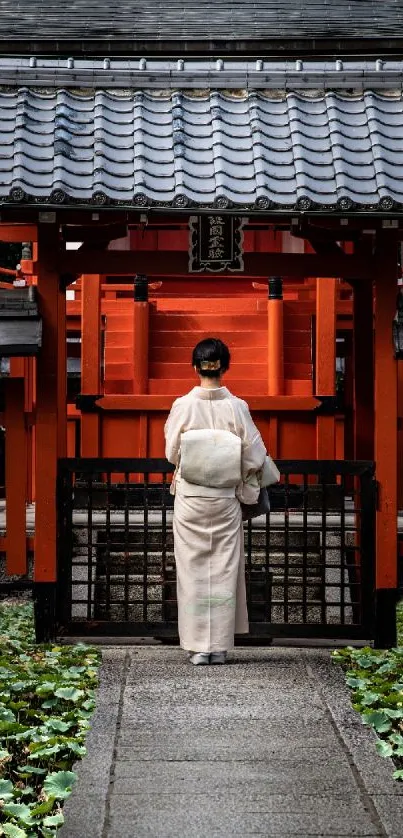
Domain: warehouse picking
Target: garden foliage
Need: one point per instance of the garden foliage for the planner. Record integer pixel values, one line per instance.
(376, 679)
(46, 701)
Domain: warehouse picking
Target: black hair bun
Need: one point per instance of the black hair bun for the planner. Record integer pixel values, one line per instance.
(211, 357)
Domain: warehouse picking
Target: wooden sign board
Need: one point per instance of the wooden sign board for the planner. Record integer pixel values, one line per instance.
(216, 243)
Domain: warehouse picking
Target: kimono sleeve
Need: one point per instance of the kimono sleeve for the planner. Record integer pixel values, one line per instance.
(172, 430)
(253, 447)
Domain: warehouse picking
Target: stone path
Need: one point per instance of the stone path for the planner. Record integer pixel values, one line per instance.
(266, 746)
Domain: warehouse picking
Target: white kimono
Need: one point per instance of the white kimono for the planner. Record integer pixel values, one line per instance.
(208, 531)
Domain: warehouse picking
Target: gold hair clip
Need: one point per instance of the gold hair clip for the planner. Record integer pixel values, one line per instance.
(210, 365)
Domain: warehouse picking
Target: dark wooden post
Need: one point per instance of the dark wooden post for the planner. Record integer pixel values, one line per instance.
(363, 361)
(385, 439)
(51, 423)
(325, 363)
(90, 360)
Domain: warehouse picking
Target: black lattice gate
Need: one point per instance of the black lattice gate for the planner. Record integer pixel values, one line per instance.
(309, 563)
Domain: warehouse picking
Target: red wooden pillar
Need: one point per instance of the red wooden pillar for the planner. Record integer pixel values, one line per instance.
(29, 407)
(90, 361)
(275, 338)
(325, 363)
(141, 327)
(16, 477)
(400, 435)
(386, 438)
(277, 245)
(51, 411)
(363, 361)
(141, 335)
(61, 373)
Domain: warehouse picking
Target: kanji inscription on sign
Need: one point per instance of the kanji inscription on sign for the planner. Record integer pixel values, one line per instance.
(215, 243)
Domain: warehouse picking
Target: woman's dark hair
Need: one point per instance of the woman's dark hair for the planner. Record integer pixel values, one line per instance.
(209, 352)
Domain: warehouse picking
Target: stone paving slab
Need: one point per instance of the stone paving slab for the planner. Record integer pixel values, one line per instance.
(171, 745)
(267, 746)
(277, 731)
(206, 820)
(237, 777)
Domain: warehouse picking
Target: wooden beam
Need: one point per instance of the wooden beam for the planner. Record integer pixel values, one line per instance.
(29, 543)
(18, 233)
(92, 234)
(163, 403)
(158, 215)
(171, 263)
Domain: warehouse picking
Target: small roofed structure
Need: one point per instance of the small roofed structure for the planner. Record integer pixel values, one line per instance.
(125, 124)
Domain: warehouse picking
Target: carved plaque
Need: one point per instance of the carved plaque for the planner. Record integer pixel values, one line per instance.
(215, 243)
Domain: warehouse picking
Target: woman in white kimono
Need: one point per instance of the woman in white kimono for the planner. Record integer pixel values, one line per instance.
(207, 525)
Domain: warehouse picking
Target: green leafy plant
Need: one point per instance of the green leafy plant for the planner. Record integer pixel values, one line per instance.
(47, 696)
(376, 679)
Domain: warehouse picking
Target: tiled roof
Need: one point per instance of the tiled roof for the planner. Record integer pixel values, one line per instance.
(201, 20)
(252, 151)
(148, 73)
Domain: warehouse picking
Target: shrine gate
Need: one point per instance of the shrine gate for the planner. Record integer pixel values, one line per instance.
(161, 201)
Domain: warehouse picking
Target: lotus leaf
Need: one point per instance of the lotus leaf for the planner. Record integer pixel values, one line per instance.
(6, 715)
(58, 725)
(69, 693)
(384, 748)
(13, 831)
(32, 769)
(6, 790)
(60, 784)
(20, 811)
(45, 688)
(54, 820)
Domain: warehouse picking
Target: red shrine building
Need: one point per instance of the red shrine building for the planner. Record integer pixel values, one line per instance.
(169, 181)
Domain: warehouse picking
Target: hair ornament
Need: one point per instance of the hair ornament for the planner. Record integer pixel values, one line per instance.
(210, 365)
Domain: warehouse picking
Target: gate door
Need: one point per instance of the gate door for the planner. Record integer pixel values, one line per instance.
(309, 563)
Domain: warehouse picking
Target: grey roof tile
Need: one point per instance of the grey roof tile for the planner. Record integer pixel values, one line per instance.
(177, 20)
(250, 151)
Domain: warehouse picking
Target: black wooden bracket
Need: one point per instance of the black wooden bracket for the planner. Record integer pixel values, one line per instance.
(329, 405)
(315, 233)
(87, 403)
(66, 279)
(94, 234)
